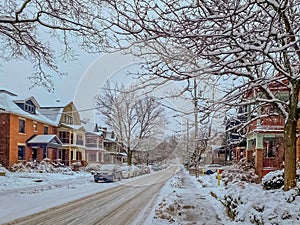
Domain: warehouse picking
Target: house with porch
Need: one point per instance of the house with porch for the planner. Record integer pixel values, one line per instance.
(264, 136)
(94, 145)
(114, 146)
(70, 131)
(25, 133)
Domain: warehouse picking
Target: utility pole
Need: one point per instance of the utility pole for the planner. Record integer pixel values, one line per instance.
(187, 143)
(196, 128)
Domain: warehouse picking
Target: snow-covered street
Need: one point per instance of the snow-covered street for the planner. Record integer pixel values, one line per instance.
(183, 199)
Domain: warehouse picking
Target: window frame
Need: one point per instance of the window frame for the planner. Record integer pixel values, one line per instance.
(21, 149)
(22, 126)
(35, 126)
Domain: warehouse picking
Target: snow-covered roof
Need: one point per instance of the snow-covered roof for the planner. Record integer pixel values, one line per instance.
(45, 139)
(72, 126)
(7, 104)
(90, 127)
(53, 113)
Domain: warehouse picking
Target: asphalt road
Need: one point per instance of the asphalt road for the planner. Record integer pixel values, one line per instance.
(119, 205)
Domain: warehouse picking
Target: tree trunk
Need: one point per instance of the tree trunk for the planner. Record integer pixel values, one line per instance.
(290, 143)
(129, 156)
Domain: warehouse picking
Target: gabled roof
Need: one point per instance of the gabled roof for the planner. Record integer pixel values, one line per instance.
(32, 99)
(49, 140)
(53, 113)
(92, 129)
(75, 127)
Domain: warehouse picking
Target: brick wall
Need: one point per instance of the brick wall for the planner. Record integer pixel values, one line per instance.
(4, 139)
(17, 138)
(259, 162)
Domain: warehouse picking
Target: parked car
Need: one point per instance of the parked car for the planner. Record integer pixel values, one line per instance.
(108, 173)
(136, 170)
(147, 169)
(142, 169)
(213, 168)
(155, 168)
(127, 171)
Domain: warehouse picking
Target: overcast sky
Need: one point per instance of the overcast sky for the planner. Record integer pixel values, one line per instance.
(86, 76)
(14, 77)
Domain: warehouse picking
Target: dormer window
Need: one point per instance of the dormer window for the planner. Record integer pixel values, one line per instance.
(27, 106)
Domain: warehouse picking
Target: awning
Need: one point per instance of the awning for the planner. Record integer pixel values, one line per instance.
(46, 140)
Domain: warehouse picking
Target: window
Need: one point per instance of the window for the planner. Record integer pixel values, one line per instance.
(46, 130)
(69, 119)
(29, 108)
(79, 140)
(92, 157)
(34, 126)
(21, 152)
(65, 137)
(22, 126)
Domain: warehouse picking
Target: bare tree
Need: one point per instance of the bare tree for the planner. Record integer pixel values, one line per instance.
(134, 119)
(248, 44)
(45, 31)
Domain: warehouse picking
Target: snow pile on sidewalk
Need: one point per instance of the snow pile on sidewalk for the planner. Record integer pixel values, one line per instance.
(235, 200)
(180, 202)
(170, 206)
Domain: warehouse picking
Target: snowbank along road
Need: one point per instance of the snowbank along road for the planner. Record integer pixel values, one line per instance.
(118, 205)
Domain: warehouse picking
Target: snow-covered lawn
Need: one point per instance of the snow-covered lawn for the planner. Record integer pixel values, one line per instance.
(24, 193)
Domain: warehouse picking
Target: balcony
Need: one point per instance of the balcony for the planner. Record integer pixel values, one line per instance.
(65, 140)
(91, 145)
(79, 142)
(272, 123)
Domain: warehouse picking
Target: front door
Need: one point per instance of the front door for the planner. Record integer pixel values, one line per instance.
(34, 153)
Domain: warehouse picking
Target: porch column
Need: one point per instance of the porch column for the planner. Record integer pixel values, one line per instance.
(248, 155)
(97, 156)
(259, 162)
(74, 154)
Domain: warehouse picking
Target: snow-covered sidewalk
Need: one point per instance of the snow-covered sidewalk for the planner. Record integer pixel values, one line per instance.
(183, 201)
(186, 199)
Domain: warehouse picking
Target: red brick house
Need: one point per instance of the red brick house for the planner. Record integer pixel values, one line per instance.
(21, 127)
(265, 143)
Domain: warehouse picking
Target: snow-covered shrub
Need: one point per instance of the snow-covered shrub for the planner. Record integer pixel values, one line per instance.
(231, 206)
(237, 174)
(45, 166)
(275, 179)
(16, 167)
(257, 219)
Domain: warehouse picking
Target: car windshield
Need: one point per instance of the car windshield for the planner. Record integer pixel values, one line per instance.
(124, 168)
(107, 167)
